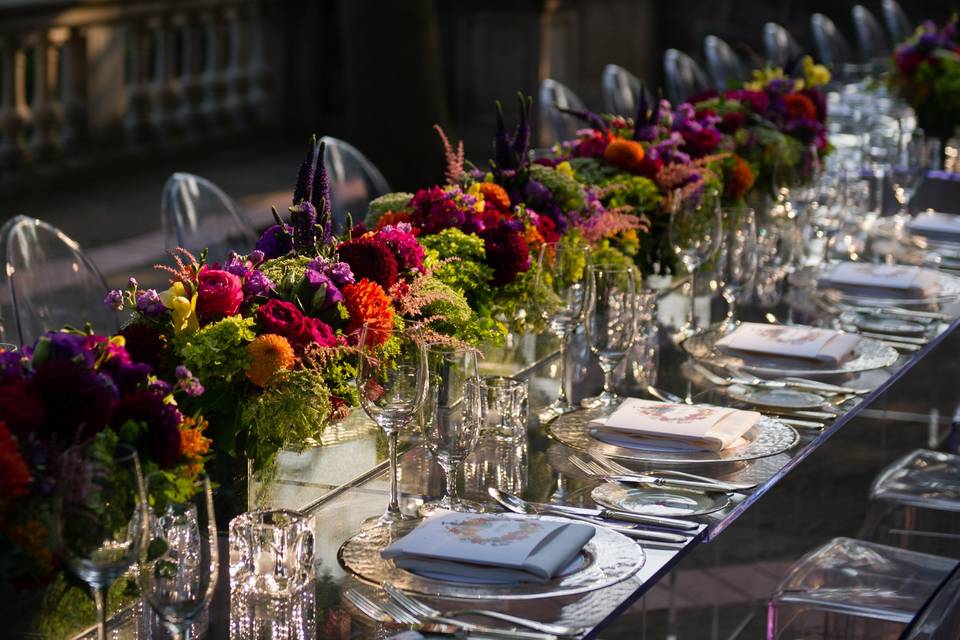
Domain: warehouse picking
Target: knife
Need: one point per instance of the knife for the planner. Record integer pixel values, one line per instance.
(625, 516)
(718, 487)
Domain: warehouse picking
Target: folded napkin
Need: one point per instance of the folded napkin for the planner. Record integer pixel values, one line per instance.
(663, 425)
(489, 548)
(881, 279)
(942, 226)
(806, 343)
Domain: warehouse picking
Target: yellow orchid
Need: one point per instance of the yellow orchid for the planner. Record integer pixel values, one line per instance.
(474, 190)
(814, 74)
(184, 309)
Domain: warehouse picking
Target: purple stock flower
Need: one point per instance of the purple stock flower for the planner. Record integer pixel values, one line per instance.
(113, 300)
(149, 304)
(276, 241)
(187, 383)
(317, 279)
(257, 285)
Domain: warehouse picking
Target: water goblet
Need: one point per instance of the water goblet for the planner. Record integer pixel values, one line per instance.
(738, 259)
(101, 516)
(180, 561)
(909, 169)
(393, 387)
(450, 425)
(695, 230)
(611, 325)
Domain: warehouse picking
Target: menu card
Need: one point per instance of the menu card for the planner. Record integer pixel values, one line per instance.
(489, 548)
(802, 342)
(881, 279)
(943, 226)
(665, 425)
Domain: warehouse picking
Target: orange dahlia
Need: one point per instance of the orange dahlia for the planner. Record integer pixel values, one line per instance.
(368, 304)
(193, 444)
(495, 195)
(800, 106)
(269, 354)
(738, 178)
(624, 154)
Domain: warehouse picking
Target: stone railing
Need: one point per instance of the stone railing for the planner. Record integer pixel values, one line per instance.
(95, 77)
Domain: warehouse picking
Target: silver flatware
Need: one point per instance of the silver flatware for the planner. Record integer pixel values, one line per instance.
(417, 607)
(792, 382)
(596, 470)
(616, 468)
(800, 424)
(664, 396)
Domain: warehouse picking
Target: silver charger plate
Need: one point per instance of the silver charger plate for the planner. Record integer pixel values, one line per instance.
(608, 558)
(768, 438)
(658, 501)
(884, 324)
(775, 398)
(869, 354)
(807, 278)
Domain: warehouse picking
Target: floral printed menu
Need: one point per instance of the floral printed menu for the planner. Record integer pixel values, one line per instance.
(810, 343)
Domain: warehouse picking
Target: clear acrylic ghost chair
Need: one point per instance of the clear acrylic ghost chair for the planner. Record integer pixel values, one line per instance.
(354, 181)
(46, 282)
(898, 24)
(555, 124)
(780, 47)
(915, 503)
(871, 40)
(683, 76)
(723, 64)
(620, 90)
(198, 215)
(853, 589)
(831, 46)
(940, 619)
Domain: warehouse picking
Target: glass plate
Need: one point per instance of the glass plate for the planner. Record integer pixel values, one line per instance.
(867, 355)
(776, 398)
(610, 558)
(658, 501)
(949, 292)
(768, 438)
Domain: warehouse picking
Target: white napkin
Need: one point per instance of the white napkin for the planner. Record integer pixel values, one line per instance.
(806, 343)
(945, 226)
(664, 425)
(861, 278)
(489, 548)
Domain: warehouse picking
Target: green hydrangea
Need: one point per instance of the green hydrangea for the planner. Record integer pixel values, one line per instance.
(469, 274)
(589, 171)
(389, 202)
(217, 352)
(633, 191)
(286, 272)
(565, 189)
(459, 319)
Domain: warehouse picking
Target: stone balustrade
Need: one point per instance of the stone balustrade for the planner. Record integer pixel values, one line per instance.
(91, 78)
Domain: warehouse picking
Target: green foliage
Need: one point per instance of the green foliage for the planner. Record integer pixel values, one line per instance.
(459, 319)
(565, 189)
(589, 171)
(633, 191)
(286, 272)
(608, 257)
(389, 202)
(573, 248)
(525, 303)
(468, 273)
(937, 100)
(217, 352)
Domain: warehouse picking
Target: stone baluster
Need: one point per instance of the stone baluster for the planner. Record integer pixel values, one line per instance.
(166, 83)
(214, 83)
(46, 110)
(191, 78)
(139, 98)
(74, 90)
(14, 112)
(257, 96)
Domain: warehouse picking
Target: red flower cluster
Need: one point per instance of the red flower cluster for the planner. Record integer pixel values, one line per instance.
(219, 294)
(284, 319)
(507, 253)
(799, 106)
(371, 258)
(14, 474)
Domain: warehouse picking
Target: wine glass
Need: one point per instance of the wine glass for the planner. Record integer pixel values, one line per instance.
(100, 516)
(695, 230)
(180, 561)
(450, 426)
(392, 380)
(907, 172)
(566, 269)
(738, 261)
(611, 325)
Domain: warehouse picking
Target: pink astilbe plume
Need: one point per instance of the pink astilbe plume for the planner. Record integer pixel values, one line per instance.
(411, 301)
(186, 269)
(453, 157)
(612, 222)
(316, 356)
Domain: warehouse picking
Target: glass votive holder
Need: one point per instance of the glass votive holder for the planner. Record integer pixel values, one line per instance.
(271, 551)
(503, 407)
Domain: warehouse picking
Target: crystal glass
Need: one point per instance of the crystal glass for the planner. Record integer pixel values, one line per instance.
(611, 325)
(393, 386)
(450, 421)
(502, 406)
(909, 168)
(179, 563)
(738, 258)
(100, 517)
(566, 270)
(271, 552)
(695, 232)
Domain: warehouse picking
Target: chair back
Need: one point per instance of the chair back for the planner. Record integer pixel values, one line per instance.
(46, 282)
(898, 24)
(354, 181)
(198, 215)
(940, 618)
(683, 76)
(723, 63)
(555, 125)
(620, 90)
(830, 45)
(780, 47)
(871, 40)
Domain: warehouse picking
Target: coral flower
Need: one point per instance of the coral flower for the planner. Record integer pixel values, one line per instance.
(624, 154)
(269, 354)
(368, 304)
(495, 196)
(800, 107)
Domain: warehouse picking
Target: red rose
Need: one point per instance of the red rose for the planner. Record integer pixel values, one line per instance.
(219, 294)
(314, 330)
(284, 319)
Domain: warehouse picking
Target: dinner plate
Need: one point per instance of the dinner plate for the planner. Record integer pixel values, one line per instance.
(775, 398)
(658, 501)
(867, 355)
(608, 558)
(882, 324)
(807, 278)
(768, 438)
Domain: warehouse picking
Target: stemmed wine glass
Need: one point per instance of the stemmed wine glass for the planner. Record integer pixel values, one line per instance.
(611, 325)
(180, 561)
(450, 428)
(907, 172)
(695, 230)
(393, 386)
(738, 262)
(566, 270)
(100, 516)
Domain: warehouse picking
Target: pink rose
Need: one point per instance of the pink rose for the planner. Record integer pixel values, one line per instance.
(219, 294)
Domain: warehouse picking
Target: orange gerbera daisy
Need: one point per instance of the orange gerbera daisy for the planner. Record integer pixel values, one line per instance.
(269, 354)
(369, 304)
(800, 106)
(624, 154)
(495, 195)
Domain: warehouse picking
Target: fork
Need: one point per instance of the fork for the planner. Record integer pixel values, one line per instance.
(618, 469)
(595, 470)
(417, 607)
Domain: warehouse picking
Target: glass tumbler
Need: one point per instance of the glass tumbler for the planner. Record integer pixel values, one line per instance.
(503, 407)
(271, 552)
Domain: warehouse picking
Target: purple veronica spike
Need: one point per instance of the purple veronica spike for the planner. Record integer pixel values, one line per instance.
(521, 143)
(643, 112)
(501, 143)
(592, 119)
(304, 220)
(305, 177)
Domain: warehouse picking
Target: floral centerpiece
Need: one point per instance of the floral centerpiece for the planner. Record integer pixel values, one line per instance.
(926, 72)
